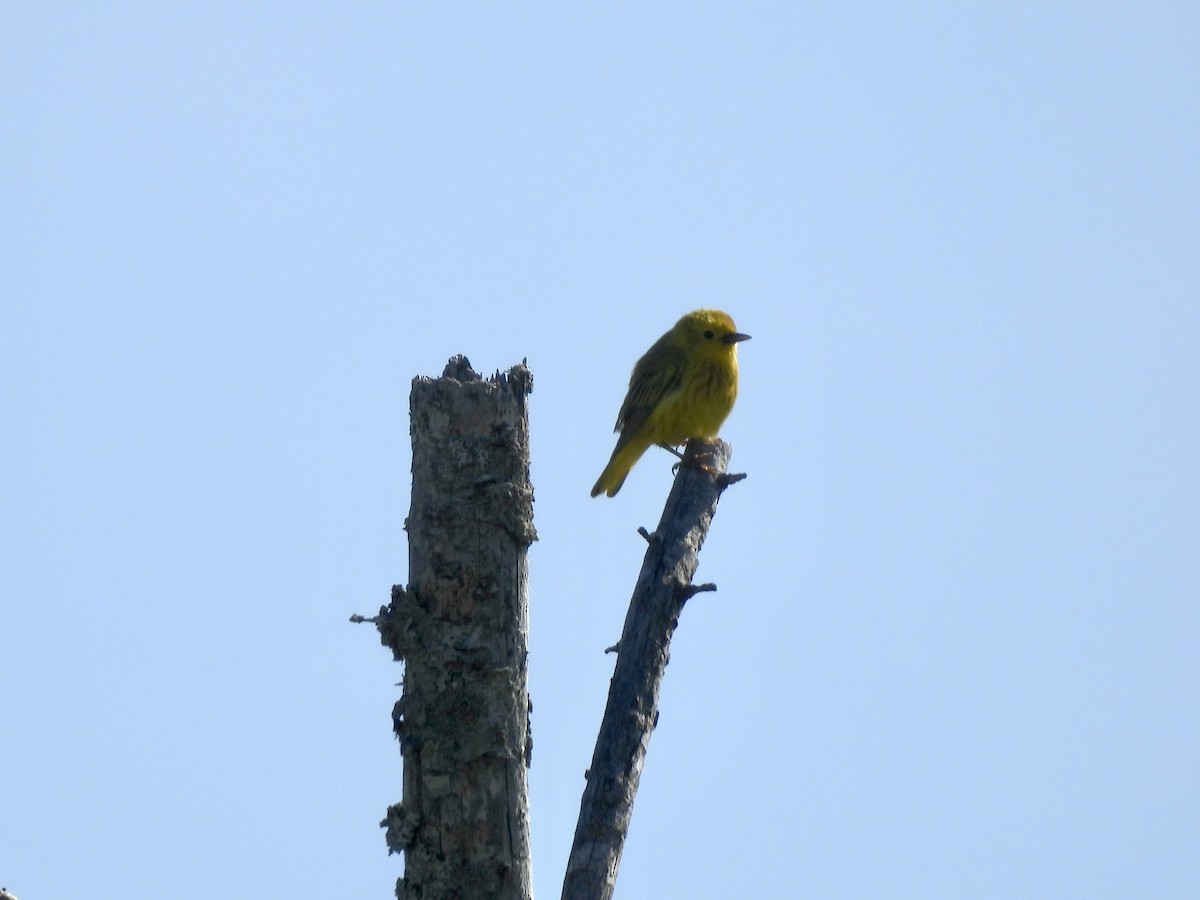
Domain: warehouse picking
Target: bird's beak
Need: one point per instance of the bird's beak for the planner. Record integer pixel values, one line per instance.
(735, 337)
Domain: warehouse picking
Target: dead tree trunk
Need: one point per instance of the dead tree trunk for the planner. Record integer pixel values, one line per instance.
(461, 628)
(663, 587)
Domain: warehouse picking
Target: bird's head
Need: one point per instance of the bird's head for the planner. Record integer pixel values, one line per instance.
(709, 331)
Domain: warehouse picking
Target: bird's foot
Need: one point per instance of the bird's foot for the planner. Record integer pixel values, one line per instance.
(694, 455)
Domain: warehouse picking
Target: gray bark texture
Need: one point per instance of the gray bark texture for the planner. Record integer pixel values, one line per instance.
(461, 628)
(663, 587)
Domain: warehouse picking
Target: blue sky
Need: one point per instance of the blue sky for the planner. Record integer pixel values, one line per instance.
(954, 648)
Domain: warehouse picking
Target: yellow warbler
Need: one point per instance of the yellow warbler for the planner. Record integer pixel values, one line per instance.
(683, 388)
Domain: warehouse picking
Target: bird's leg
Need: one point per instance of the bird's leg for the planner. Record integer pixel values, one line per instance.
(672, 450)
(696, 450)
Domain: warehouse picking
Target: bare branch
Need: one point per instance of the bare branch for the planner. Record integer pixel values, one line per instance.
(663, 587)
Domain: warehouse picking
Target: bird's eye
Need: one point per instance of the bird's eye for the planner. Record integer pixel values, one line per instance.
(708, 335)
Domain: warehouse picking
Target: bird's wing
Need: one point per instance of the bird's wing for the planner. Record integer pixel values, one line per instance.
(657, 375)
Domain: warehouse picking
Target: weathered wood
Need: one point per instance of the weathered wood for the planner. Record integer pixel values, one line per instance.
(663, 587)
(461, 628)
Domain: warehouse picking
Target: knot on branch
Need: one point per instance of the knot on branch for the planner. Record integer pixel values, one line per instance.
(401, 829)
(399, 622)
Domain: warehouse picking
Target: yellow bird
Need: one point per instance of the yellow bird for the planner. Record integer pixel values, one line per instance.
(683, 388)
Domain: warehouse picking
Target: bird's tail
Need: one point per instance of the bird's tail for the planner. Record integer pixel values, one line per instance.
(618, 467)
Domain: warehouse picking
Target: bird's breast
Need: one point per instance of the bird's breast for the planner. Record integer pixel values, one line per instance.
(702, 403)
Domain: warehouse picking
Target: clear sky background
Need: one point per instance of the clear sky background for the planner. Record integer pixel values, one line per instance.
(955, 651)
